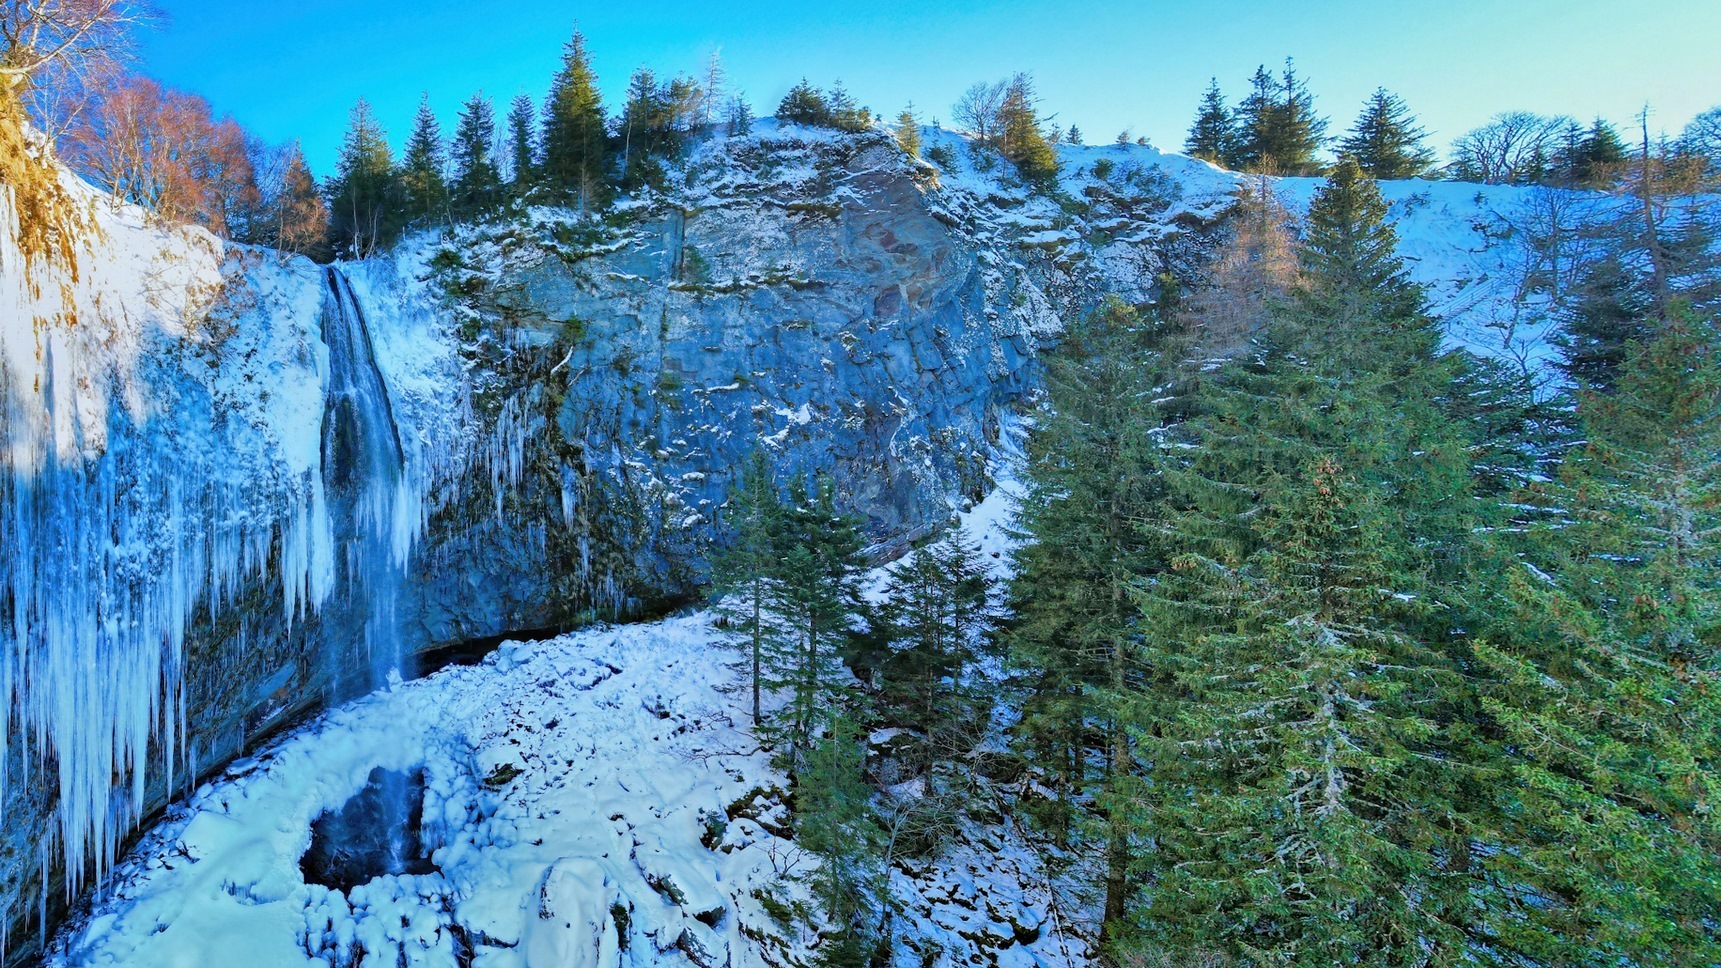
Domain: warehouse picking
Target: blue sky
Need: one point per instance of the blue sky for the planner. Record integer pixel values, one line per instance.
(291, 68)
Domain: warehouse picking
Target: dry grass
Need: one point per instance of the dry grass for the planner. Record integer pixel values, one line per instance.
(49, 221)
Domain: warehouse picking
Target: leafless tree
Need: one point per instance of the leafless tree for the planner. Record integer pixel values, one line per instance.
(1702, 138)
(980, 110)
(1511, 148)
(37, 34)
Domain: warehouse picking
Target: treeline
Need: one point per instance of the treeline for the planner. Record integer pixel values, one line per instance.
(1339, 648)
(1275, 130)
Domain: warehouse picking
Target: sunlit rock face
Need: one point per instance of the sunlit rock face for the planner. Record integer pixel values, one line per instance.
(205, 535)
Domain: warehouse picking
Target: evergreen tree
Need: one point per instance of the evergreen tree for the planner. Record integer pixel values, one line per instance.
(835, 819)
(820, 572)
(1093, 492)
(1253, 125)
(1318, 528)
(1595, 159)
(1075, 135)
(1277, 129)
(1598, 673)
(908, 133)
(936, 608)
(477, 183)
(1021, 134)
(740, 119)
(1351, 270)
(1650, 244)
(422, 170)
(365, 201)
(1211, 137)
(747, 569)
(522, 144)
(846, 115)
(806, 105)
(576, 140)
(1386, 141)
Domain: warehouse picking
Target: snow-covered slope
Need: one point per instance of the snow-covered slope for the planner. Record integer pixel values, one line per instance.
(593, 800)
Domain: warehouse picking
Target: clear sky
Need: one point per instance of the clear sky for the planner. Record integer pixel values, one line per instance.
(291, 68)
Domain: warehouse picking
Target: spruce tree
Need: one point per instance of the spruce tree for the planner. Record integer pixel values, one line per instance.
(1386, 141)
(576, 140)
(1277, 129)
(1022, 137)
(908, 133)
(1298, 132)
(477, 183)
(1349, 259)
(423, 169)
(814, 597)
(806, 105)
(936, 608)
(1094, 493)
(1211, 137)
(522, 144)
(1318, 533)
(1595, 159)
(1599, 678)
(746, 570)
(1253, 122)
(366, 202)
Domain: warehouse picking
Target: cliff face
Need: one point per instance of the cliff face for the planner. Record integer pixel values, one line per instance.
(199, 557)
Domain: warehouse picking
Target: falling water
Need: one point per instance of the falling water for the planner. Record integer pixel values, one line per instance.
(364, 472)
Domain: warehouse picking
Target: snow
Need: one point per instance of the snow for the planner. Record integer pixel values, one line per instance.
(610, 770)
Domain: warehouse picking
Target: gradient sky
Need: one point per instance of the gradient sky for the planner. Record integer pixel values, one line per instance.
(292, 68)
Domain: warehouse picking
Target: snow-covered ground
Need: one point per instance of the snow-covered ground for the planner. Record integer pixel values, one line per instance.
(593, 800)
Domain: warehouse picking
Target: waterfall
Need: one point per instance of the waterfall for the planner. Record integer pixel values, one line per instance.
(375, 514)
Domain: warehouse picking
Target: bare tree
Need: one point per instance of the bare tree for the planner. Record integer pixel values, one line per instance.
(1513, 148)
(980, 110)
(1702, 138)
(35, 34)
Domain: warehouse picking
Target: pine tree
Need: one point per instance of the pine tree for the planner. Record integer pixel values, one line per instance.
(1650, 245)
(908, 133)
(366, 202)
(1075, 135)
(1595, 159)
(746, 570)
(1022, 138)
(522, 144)
(937, 605)
(1094, 496)
(576, 140)
(806, 105)
(1599, 677)
(1386, 141)
(1277, 130)
(814, 597)
(1349, 258)
(1318, 528)
(477, 183)
(740, 119)
(1211, 137)
(422, 170)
